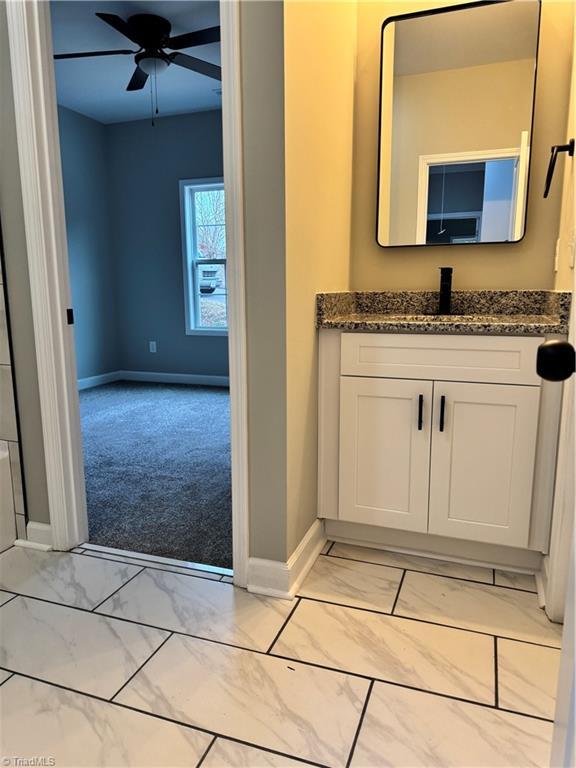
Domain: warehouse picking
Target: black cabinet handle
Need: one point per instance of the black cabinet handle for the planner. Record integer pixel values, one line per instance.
(420, 412)
(555, 150)
(442, 412)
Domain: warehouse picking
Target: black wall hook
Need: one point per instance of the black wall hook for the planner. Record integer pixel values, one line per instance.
(556, 149)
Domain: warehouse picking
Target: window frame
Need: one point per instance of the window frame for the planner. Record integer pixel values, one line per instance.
(189, 260)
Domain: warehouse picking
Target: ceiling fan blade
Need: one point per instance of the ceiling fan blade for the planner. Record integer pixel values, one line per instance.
(119, 25)
(189, 40)
(137, 81)
(197, 65)
(85, 54)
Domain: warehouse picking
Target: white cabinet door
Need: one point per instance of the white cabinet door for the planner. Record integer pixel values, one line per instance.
(384, 455)
(483, 461)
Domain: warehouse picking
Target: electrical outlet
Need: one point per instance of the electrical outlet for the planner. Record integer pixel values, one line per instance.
(152, 346)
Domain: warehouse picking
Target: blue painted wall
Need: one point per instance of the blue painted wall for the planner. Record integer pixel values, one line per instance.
(146, 164)
(123, 222)
(91, 259)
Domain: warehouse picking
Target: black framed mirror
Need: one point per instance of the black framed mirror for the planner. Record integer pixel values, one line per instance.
(457, 92)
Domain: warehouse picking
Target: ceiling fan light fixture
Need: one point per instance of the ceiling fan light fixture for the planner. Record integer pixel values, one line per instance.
(152, 64)
(151, 34)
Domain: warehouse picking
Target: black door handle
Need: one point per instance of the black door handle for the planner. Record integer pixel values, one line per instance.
(442, 412)
(420, 412)
(555, 150)
(556, 360)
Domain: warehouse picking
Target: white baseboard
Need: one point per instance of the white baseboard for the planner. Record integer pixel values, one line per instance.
(39, 536)
(25, 544)
(541, 583)
(154, 377)
(435, 547)
(174, 378)
(283, 579)
(97, 381)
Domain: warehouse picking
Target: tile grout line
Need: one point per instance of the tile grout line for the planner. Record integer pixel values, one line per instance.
(206, 751)
(301, 597)
(314, 665)
(330, 547)
(440, 575)
(242, 741)
(297, 602)
(132, 676)
(135, 623)
(14, 596)
(151, 567)
(400, 583)
(116, 590)
(10, 676)
(432, 623)
(360, 723)
(496, 706)
(164, 718)
(385, 681)
(302, 662)
(496, 683)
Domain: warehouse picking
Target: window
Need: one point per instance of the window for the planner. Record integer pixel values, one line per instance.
(204, 246)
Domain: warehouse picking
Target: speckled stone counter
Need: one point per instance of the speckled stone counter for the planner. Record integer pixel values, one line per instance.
(497, 313)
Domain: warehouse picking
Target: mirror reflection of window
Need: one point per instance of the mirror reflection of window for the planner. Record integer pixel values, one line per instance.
(457, 93)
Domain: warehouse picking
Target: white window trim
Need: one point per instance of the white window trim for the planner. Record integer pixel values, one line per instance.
(191, 329)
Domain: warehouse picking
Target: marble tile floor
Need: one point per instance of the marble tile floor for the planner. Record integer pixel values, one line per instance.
(382, 659)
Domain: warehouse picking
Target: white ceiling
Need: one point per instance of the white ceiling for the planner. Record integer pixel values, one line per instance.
(96, 87)
(466, 38)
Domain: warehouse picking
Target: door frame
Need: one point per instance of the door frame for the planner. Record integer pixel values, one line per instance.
(34, 89)
(424, 163)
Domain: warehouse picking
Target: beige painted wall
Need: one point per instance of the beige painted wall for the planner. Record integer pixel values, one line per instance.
(319, 58)
(528, 264)
(18, 284)
(452, 111)
(297, 185)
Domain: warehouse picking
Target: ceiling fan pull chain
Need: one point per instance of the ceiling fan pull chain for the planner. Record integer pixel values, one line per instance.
(151, 104)
(156, 90)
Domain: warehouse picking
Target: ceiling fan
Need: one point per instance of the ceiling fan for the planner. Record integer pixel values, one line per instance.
(152, 36)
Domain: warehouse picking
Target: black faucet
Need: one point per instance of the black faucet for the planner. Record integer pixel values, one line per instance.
(445, 296)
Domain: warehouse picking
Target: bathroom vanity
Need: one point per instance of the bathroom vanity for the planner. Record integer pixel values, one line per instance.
(439, 425)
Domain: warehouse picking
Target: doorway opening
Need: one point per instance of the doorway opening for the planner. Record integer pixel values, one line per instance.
(472, 197)
(142, 161)
(471, 202)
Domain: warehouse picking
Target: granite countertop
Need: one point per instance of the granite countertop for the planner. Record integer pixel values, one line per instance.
(516, 313)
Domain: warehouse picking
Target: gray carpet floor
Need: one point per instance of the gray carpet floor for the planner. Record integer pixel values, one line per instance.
(157, 465)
